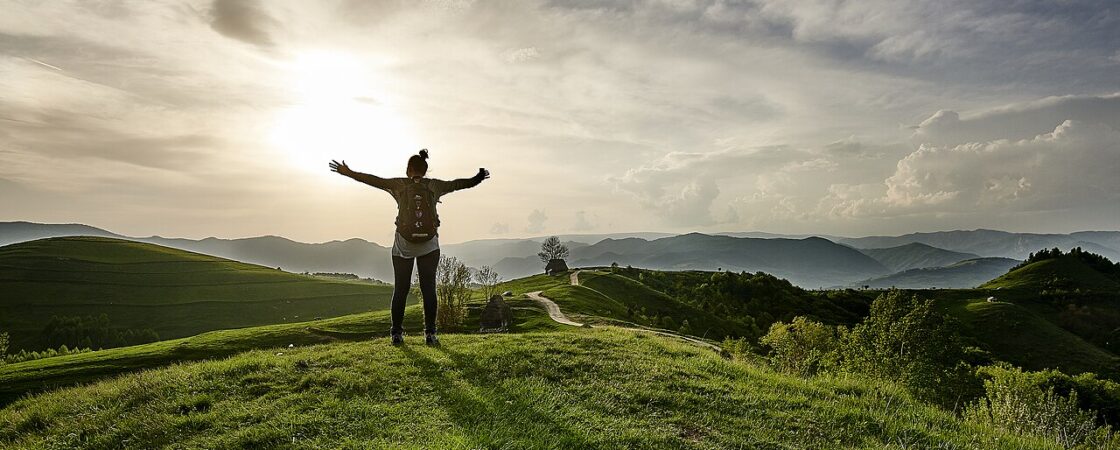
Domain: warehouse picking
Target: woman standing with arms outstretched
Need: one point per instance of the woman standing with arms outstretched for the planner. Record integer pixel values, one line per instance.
(416, 238)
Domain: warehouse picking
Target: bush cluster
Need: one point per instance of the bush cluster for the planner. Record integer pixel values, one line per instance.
(905, 340)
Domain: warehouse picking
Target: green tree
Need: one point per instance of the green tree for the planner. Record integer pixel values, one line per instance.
(905, 339)
(802, 347)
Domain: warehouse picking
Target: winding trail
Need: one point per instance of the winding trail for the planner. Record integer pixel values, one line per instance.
(553, 309)
(555, 314)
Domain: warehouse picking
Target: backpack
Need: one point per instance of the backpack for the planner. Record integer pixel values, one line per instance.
(416, 212)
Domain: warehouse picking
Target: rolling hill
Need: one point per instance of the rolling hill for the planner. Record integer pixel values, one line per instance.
(965, 274)
(354, 256)
(516, 258)
(576, 388)
(915, 256)
(141, 286)
(18, 379)
(1064, 272)
(504, 390)
(1015, 334)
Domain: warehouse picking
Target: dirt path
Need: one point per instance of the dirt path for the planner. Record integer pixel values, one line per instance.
(557, 315)
(553, 310)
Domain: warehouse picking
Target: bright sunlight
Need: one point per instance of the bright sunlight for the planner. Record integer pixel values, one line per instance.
(341, 111)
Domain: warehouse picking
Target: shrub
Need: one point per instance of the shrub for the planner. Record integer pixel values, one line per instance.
(25, 355)
(740, 349)
(487, 279)
(1093, 394)
(803, 347)
(3, 346)
(452, 290)
(1014, 401)
(905, 339)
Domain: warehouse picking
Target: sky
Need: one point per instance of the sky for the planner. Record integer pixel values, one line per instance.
(218, 118)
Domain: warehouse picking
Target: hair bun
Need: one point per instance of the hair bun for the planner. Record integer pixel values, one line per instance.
(424, 153)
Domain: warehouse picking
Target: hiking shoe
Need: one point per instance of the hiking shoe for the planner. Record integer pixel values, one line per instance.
(397, 338)
(431, 339)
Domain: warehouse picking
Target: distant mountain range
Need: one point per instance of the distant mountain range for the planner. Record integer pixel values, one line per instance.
(999, 243)
(969, 273)
(915, 256)
(808, 261)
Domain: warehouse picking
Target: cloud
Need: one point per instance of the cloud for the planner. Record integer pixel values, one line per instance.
(499, 228)
(537, 218)
(1071, 168)
(62, 135)
(582, 224)
(854, 148)
(243, 20)
(892, 30)
(1075, 164)
(682, 186)
(1018, 121)
(731, 216)
(695, 109)
(522, 55)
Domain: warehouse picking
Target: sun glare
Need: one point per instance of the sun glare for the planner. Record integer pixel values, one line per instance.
(341, 110)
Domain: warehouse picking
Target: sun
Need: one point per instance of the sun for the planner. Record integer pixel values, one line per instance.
(340, 110)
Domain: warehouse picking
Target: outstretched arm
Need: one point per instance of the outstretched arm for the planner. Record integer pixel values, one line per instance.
(465, 183)
(373, 180)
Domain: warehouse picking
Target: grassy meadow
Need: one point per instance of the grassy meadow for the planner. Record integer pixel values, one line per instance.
(577, 388)
(337, 383)
(173, 292)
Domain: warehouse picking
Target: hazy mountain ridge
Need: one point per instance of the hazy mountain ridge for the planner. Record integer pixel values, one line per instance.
(915, 256)
(965, 274)
(810, 262)
(994, 243)
(807, 261)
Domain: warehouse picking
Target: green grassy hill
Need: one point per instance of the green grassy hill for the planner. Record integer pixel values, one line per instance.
(577, 388)
(1017, 334)
(544, 385)
(144, 286)
(607, 298)
(21, 378)
(1066, 271)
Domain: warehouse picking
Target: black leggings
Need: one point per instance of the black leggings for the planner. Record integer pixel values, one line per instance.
(402, 282)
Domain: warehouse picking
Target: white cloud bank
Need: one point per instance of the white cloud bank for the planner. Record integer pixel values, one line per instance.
(785, 116)
(1064, 172)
